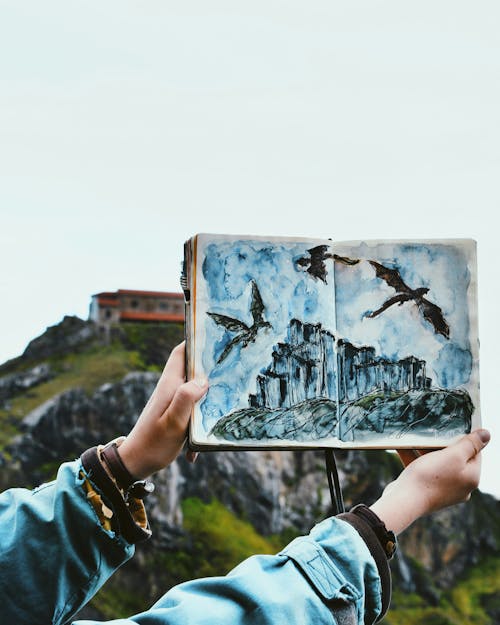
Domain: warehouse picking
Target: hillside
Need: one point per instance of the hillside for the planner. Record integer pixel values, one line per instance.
(73, 388)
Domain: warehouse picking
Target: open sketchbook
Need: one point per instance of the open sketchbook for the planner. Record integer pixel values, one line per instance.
(314, 343)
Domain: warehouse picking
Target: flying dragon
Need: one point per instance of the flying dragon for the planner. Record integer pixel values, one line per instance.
(315, 263)
(244, 334)
(431, 312)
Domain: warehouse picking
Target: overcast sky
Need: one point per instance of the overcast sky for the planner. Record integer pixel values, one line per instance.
(125, 127)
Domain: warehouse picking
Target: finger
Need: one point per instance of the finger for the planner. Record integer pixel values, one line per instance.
(178, 413)
(407, 456)
(176, 363)
(172, 377)
(191, 455)
(471, 444)
(473, 472)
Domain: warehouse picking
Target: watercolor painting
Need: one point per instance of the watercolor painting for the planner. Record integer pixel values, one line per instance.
(357, 344)
(266, 323)
(407, 356)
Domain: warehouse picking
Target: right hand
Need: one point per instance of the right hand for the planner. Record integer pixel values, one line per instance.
(432, 480)
(446, 476)
(160, 432)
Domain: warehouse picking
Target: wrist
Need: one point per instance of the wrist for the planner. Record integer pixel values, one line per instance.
(134, 461)
(400, 505)
(112, 461)
(118, 509)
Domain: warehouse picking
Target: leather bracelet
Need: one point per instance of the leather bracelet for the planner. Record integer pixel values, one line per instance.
(116, 466)
(130, 487)
(97, 474)
(386, 537)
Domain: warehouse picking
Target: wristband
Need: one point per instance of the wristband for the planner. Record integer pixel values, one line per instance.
(386, 537)
(123, 517)
(130, 487)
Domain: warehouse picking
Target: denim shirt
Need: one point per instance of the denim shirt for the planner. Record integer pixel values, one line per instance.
(55, 555)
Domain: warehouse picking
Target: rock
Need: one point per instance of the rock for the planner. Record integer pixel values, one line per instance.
(69, 423)
(276, 491)
(15, 383)
(69, 335)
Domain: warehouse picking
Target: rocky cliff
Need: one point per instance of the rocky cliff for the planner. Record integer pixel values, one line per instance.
(209, 515)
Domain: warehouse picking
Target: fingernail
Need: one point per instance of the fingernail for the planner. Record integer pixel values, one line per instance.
(201, 382)
(484, 435)
(191, 456)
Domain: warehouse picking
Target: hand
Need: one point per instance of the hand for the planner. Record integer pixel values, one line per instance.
(432, 481)
(160, 432)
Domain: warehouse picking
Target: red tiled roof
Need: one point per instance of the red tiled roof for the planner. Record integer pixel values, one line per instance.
(115, 294)
(150, 293)
(106, 301)
(150, 316)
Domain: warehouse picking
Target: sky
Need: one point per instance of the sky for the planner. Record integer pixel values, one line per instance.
(127, 127)
(447, 269)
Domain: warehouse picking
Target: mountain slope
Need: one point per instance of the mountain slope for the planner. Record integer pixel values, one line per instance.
(64, 395)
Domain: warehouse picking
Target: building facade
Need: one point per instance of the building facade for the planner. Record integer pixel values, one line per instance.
(126, 305)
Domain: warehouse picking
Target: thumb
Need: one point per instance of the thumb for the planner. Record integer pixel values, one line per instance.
(474, 442)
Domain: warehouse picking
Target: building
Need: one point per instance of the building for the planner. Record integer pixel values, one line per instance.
(303, 368)
(299, 368)
(127, 305)
(360, 373)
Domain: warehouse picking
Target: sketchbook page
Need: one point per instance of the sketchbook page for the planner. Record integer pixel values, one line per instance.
(407, 350)
(264, 320)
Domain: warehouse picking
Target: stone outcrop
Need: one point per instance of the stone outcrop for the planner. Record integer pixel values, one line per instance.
(15, 383)
(62, 338)
(360, 372)
(67, 424)
(302, 368)
(299, 368)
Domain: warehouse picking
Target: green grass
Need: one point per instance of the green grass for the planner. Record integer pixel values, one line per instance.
(87, 370)
(463, 605)
(220, 539)
(466, 596)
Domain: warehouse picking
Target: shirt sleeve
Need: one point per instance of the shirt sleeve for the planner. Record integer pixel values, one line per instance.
(54, 551)
(332, 569)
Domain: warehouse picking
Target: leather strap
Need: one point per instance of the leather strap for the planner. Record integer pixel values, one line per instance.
(386, 537)
(130, 487)
(116, 466)
(126, 524)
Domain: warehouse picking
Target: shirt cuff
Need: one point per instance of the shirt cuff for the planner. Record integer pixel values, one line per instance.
(373, 543)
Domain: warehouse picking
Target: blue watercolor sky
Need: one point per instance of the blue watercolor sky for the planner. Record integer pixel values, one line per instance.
(401, 331)
(287, 292)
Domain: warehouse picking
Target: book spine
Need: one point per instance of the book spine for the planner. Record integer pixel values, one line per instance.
(186, 289)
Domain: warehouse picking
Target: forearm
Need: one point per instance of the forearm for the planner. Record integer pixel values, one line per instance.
(398, 507)
(54, 552)
(315, 578)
